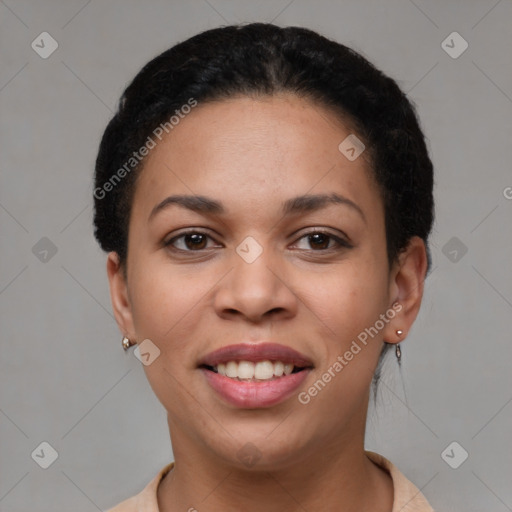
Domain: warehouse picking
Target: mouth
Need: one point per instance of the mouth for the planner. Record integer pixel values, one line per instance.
(255, 375)
(255, 361)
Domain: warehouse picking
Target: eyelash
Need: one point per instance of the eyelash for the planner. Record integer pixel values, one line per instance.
(342, 244)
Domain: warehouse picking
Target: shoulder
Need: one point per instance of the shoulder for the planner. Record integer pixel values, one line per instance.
(128, 505)
(146, 499)
(407, 497)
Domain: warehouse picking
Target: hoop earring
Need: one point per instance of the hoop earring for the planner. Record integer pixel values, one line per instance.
(127, 343)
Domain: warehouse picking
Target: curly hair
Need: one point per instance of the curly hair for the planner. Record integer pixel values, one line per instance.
(264, 59)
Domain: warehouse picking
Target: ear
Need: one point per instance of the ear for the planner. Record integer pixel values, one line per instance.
(406, 287)
(119, 296)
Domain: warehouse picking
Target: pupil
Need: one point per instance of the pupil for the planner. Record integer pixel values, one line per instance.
(196, 240)
(316, 235)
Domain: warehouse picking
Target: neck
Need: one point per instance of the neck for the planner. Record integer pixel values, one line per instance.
(323, 478)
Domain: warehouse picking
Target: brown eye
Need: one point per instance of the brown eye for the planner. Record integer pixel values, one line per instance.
(322, 241)
(189, 242)
(319, 240)
(195, 241)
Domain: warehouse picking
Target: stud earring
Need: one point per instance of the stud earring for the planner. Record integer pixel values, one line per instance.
(127, 343)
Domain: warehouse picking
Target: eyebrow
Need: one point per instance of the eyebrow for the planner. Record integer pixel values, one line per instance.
(296, 205)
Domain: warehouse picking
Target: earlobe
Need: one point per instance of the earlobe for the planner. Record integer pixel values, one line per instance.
(406, 288)
(119, 295)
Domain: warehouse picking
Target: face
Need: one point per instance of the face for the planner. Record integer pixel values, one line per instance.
(287, 246)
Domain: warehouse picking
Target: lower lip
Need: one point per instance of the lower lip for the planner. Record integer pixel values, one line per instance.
(255, 395)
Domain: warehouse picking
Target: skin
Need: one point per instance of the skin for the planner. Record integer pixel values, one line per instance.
(314, 296)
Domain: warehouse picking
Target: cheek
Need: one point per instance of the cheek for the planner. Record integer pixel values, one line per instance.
(349, 299)
(165, 309)
(163, 304)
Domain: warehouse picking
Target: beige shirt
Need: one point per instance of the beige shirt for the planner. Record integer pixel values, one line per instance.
(407, 497)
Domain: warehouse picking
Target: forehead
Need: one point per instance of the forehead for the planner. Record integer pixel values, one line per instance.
(251, 150)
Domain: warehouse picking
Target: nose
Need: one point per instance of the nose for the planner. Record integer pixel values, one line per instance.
(257, 291)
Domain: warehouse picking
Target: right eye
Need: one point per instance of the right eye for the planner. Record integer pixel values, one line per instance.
(190, 241)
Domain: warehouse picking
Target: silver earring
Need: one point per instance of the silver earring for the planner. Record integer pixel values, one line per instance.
(127, 343)
(398, 352)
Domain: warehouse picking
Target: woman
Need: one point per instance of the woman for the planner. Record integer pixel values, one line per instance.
(265, 198)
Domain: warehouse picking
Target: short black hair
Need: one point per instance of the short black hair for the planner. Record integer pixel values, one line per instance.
(263, 59)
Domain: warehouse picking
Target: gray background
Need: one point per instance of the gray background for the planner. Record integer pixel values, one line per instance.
(64, 377)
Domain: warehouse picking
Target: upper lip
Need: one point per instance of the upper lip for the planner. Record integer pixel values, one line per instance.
(256, 352)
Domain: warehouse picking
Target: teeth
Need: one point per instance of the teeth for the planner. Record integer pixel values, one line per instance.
(247, 370)
(278, 368)
(263, 370)
(232, 369)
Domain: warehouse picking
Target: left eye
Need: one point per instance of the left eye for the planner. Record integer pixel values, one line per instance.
(321, 240)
